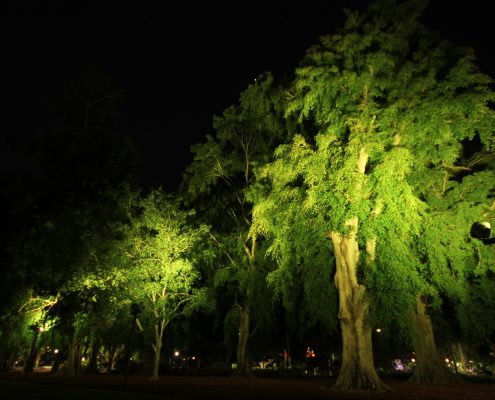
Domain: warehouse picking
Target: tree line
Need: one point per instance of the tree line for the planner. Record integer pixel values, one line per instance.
(338, 199)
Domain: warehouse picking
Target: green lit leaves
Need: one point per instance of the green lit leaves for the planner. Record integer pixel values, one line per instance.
(161, 248)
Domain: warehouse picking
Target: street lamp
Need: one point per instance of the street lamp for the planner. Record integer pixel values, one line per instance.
(135, 310)
(481, 231)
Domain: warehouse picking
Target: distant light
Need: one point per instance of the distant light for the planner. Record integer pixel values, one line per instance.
(55, 351)
(378, 330)
(413, 360)
(447, 360)
(193, 357)
(176, 354)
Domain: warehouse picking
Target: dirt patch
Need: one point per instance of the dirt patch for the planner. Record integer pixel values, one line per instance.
(221, 388)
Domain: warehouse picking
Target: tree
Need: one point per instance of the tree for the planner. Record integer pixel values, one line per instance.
(219, 183)
(65, 215)
(383, 106)
(161, 276)
(452, 263)
(458, 269)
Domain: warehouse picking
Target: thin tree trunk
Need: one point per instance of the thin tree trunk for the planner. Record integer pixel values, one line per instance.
(430, 368)
(37, 359)
(461, 357)
(73, 363)
(157, 348)
(92, 367)
(243, 368)
(357, 371)
(111, 357)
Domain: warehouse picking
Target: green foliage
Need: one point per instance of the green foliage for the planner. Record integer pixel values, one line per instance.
(161, 244)
(222, 186)
(384, 108)
(245, 136)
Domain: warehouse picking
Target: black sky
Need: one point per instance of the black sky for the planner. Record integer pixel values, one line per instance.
(177, 64)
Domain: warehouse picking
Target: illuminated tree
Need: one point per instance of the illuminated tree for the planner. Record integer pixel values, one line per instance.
(454, 267)
(219, 182)
(384, 107)
(161, 276)
(65, 215)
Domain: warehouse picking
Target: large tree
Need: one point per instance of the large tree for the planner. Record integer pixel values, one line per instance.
(218, 183)
(384, 106)
(456, 268)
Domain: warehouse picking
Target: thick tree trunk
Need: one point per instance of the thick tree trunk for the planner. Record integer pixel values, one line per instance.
(430, 368)
(357, 371)
(243, 369)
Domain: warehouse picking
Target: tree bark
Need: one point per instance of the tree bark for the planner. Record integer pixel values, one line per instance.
(73, 363)
(111, 357)
(157, 348)
(357, 371)
(92, 366)
(430, 368)
(243, 369)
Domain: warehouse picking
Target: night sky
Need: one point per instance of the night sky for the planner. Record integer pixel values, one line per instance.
(176, 64)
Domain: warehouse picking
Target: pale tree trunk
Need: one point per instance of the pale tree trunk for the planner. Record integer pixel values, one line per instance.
(157, 348)
(430, 368)
(459, 356)
(37, 359)
(357, 371)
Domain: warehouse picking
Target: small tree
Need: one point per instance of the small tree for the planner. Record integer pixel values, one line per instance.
(161, 276)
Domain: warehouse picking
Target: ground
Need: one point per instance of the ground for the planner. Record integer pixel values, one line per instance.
(39, 385)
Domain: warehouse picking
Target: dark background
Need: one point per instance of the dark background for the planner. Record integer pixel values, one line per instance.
(177, 63)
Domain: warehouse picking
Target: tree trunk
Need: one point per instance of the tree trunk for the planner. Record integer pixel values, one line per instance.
(430, 368)
(92, 367)
(111, 357)
(73, 363)
(37, 359)
(243, 369)
(357, 371)
(157, 348)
